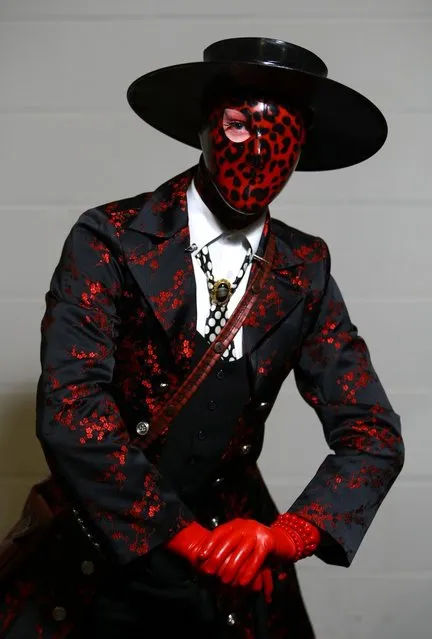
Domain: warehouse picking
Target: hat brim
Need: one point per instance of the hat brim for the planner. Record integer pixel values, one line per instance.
(347, 127)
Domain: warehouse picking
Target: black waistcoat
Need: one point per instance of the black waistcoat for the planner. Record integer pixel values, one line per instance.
(199, 434)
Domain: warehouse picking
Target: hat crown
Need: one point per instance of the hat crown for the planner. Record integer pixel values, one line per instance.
(266, 51)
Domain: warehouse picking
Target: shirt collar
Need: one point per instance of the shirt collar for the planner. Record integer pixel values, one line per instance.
(204, 226)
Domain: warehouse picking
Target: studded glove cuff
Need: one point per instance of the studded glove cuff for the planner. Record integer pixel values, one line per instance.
(305, 536)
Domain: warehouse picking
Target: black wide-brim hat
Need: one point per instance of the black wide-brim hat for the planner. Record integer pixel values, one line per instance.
(346, 127)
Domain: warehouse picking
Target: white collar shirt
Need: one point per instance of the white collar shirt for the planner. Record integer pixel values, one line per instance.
(227, 256)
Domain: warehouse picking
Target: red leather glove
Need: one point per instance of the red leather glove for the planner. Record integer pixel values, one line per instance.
(264, 581)
(189, 541)
(237, 550)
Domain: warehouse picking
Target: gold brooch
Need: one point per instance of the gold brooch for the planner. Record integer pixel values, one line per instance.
(221, 292)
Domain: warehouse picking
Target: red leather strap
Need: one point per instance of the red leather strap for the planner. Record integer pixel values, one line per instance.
(189, 386)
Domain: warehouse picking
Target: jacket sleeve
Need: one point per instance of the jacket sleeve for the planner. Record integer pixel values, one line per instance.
(334, 374)
(119, 493)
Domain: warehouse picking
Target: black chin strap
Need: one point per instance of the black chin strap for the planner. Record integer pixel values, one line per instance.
(228, 216)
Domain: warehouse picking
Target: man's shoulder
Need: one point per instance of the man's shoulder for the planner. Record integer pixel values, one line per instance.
(305, 246)
(116, 215)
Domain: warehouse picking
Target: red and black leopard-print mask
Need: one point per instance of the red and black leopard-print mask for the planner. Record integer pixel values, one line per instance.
(250, 149)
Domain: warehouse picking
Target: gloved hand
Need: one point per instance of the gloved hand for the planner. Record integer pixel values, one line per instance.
(189, 541)
(237, 550)
(264, 581)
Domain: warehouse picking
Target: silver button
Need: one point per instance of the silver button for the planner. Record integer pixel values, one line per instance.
(142, 428)
(231, 619)
(59, 613)
(218, 481)
(245, 449)
(87, 567)
(163, 385)
(264, 405)
(214, 522)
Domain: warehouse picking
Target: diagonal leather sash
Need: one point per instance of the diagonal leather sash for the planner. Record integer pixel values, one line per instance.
(212, 355)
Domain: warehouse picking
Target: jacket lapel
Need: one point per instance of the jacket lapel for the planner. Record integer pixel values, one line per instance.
(273, 329)
(156, 254)
(279, 296)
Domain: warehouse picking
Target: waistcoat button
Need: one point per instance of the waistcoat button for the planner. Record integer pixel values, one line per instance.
(212, 405)
(201, 435)
(231, 619)
(87, 567)
(142, 428)
(59, 613)
(220, 374)
(245, 449)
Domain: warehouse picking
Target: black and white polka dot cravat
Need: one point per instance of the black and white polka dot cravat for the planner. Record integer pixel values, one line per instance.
(220, 292)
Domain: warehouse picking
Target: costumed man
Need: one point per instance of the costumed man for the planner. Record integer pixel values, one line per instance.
(172, 320)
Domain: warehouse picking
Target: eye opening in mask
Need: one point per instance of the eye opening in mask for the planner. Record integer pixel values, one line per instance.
(236, 125)
(223, 91)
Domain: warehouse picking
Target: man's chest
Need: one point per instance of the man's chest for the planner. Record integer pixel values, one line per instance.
(156, 351)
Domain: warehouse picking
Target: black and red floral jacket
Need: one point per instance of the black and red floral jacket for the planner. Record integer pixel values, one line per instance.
(119, 335)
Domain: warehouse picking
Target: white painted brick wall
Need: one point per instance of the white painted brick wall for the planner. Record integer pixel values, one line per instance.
(69, 141)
